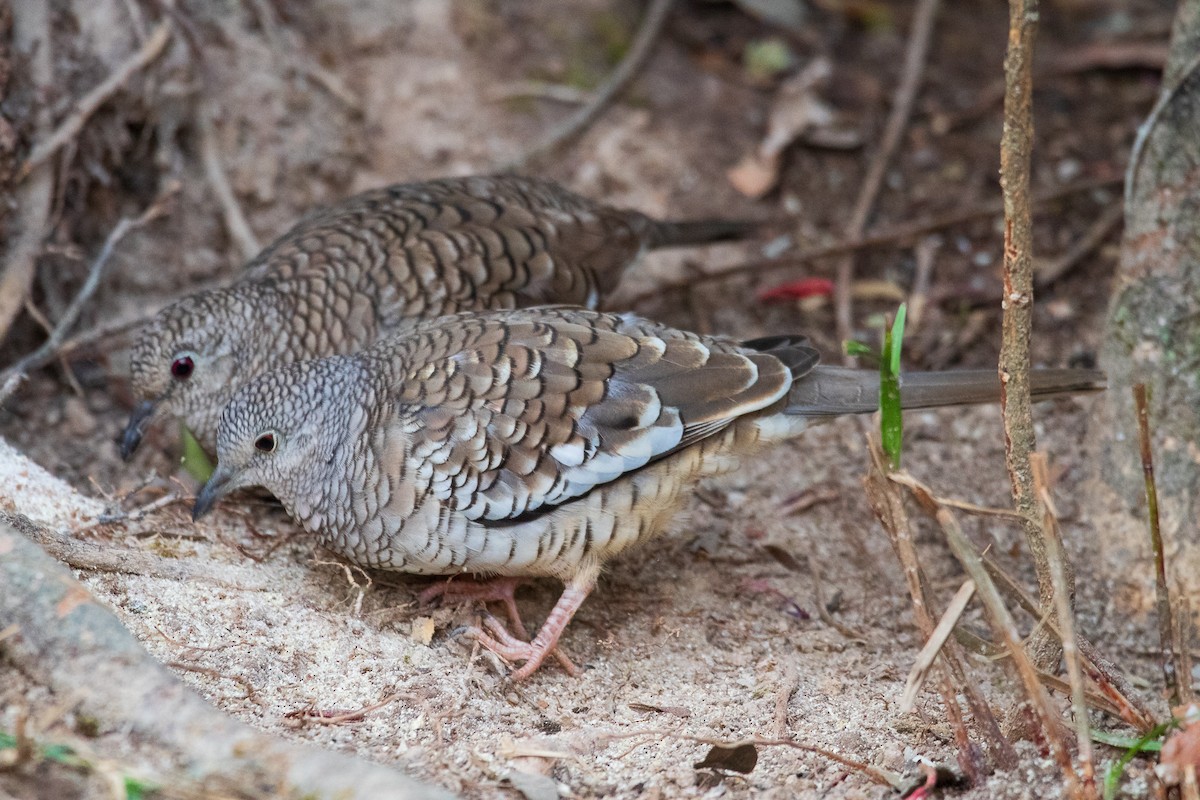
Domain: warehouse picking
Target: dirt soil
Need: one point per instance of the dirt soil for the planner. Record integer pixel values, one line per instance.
(747, 619)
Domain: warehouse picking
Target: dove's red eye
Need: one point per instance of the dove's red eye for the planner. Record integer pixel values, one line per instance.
(181, 368)
(265, 442)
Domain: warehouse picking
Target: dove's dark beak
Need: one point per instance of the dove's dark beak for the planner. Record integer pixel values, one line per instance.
(217, 487)
(137, 425)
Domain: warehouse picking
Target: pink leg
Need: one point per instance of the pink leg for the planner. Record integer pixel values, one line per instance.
(508, 647)
(493, 590)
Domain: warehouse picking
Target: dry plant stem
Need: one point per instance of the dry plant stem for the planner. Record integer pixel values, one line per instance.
(881, 237)
(1183, 626)
(210, 152)
(1100, 671)
(87, 105)
(31, 37)
(1050, 271)
(1006, 629)
(888, 506)
(933, 645)
(1166, 619)
(1066, 628)
(787, 687)
(639, 52)
(906, 93)
(1016, 405)
(79, 650)
(358, 714)
(918, 299)
(1107, 678)
(49, 348)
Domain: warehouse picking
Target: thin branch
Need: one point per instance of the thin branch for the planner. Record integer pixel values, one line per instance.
(235, 220)
(880, 237)
(888, 506)
(1004, 626)
(925, 254)
(1020, 440)
(87, 105)
(1166, 619)
(1066, 627)
(1106, 677)
(1048, 272)
(929, 653)
(48, 349)
(787, 687)
(639, 52)
(906, 92)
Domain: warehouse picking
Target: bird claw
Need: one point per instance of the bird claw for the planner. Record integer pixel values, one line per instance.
(500, 641)
(495, 590)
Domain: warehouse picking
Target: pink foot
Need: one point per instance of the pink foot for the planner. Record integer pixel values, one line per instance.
(495, 590)
(497, 639)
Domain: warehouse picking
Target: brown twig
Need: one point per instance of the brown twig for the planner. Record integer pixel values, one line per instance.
(210, 153)
(1166, 619)
(70, 127)
(323, 718)
(933, 645)
(1183, 627)
(1066, 627)
(49, 348)
(1016, 405)
(348, 570)
(1048, 272)
(1006, 629)
(888, 506)
(918, 299)
(1101, 672)
(245, 683)
(137, 514)
(881, 237)
(906, 92)
(31, 35)
(787, 687)
(639, 52)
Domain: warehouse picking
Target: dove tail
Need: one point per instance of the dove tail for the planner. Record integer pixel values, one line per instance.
(829, 391)
(697, 232)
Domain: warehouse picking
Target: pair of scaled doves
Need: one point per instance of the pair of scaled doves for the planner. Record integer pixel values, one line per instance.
(348, 275)
(535, 442)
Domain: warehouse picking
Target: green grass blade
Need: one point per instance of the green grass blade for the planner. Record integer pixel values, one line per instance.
(891, 430)
(195, 460)
(1112, 777)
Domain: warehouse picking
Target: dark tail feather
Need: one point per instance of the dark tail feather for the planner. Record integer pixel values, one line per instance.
(828, 391)
(696, 232)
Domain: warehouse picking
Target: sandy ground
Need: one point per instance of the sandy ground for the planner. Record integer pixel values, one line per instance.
(708, 632)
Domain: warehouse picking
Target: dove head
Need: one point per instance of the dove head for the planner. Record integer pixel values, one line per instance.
(291, 431)
(188, 361)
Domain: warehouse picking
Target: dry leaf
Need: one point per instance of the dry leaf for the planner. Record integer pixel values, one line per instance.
(678, 711)
(796, 110)
(422, 630)
(742, 758)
